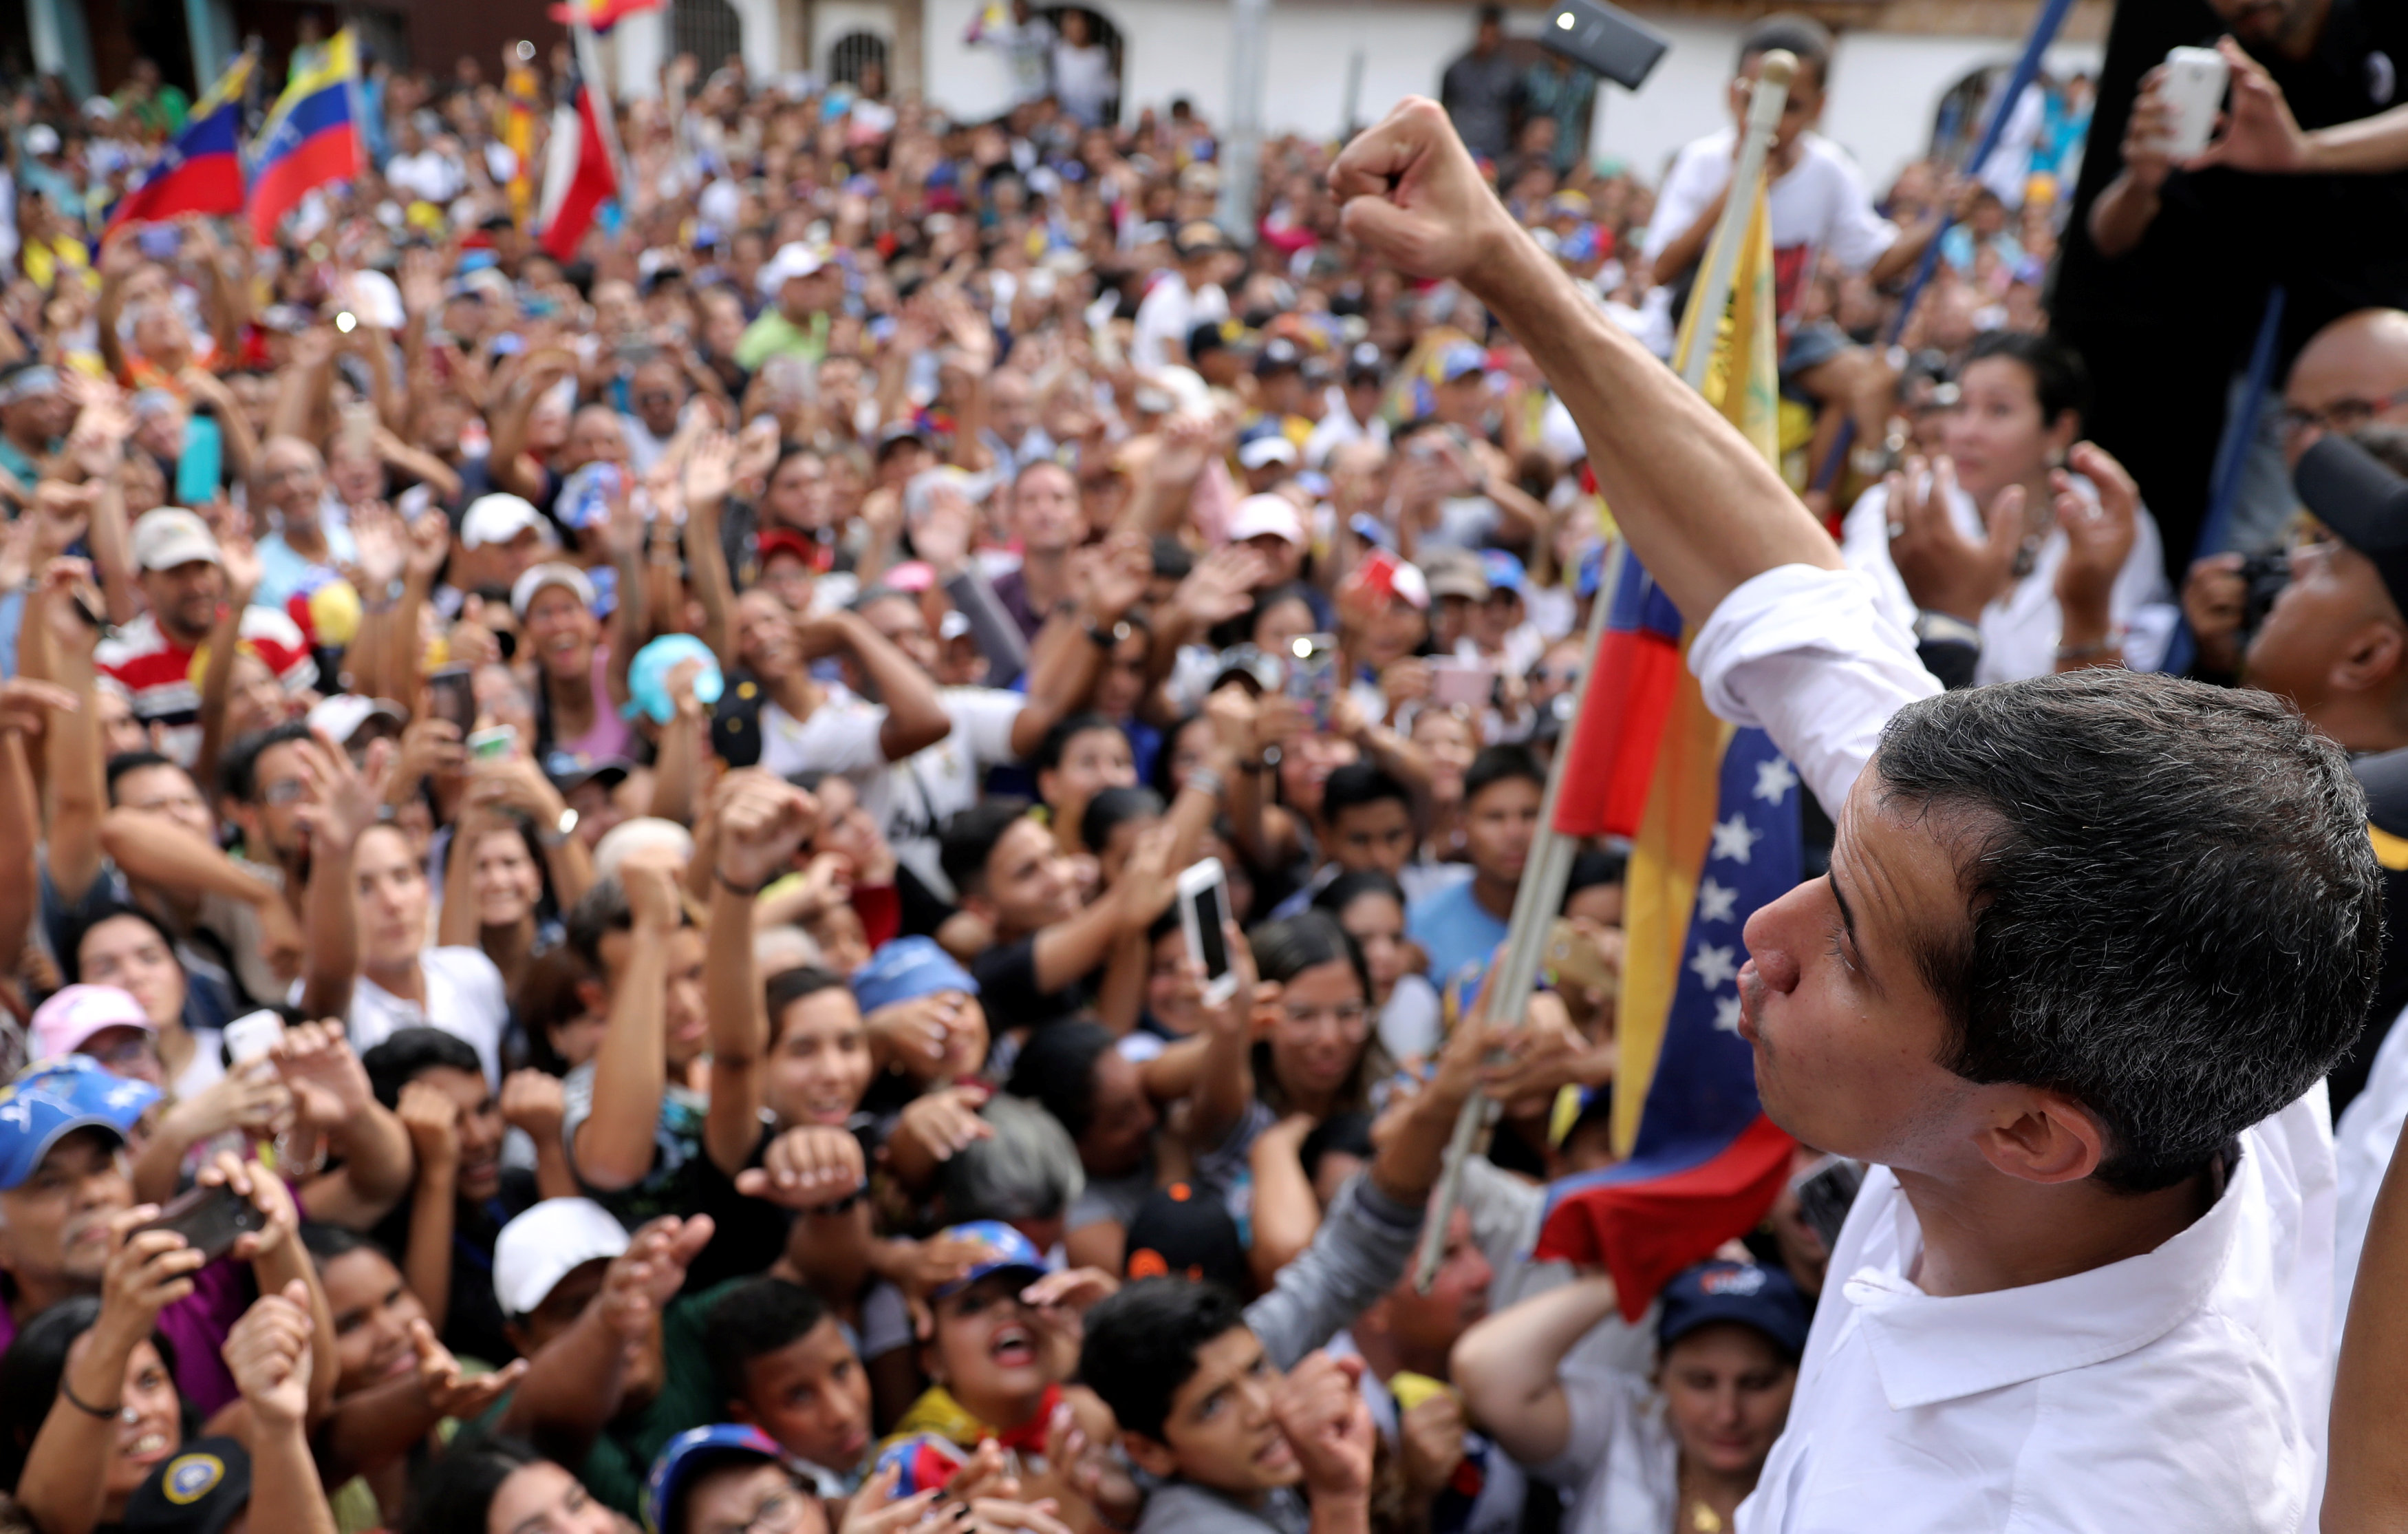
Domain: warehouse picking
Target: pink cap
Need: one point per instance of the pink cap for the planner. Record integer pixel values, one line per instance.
(62, 1023)
(1266, 515)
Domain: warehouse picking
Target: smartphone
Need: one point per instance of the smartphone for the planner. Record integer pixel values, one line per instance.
(451, 694)
(252, 1035)
(2192, 88)
(494, 744)
(208, 1218)
(1312, 674)
(1461, 683)
(1203, 908)
(1826, 1194)
(1606, 38)
(1571, 956)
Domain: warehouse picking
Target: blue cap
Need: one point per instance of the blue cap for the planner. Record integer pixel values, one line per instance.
(57, 1099)
(906, 969)
(1003, 1249)
(1591, 574)
(1504, 571)
(1762, 1297)
(1461, 360)
(696, 1450)
(648, 676)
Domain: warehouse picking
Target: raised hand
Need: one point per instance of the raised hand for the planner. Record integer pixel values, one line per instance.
(147, 1270)
(239, 558)
(26, 705)
(2147, 132)
(2214, 602)
(433, 1120)
(1222, 583)
(316, 1062)
(381, 537)
(651, 1270)
(946, 1121)
(267, 1352)
(806, 1168)
(2259, 132)
(342, 804)
(447, 1393)
(535, 1101)
(709, 471)
(762, 820)
(1320, 1409)
(1430, 1436)
(1414, 198)
(267, 1194)
(1117, 581)
(429, 545)
(651, 896)
(2098, 533)
(1945, 571)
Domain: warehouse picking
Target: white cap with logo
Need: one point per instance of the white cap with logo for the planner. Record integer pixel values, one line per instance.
(548, 1242)
(169, 535)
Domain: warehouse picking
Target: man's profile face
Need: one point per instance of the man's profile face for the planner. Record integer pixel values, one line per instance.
(1847, 1032)
(2353, 373)
(2321, 621)
(1219, 1429)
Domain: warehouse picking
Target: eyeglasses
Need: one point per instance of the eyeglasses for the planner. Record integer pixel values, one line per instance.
(2341, 415)
(127, 1050)
(288, 791)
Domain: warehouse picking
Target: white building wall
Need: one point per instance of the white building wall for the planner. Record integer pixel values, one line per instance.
(1885, 86)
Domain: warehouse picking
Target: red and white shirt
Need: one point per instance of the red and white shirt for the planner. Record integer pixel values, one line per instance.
(165, 680)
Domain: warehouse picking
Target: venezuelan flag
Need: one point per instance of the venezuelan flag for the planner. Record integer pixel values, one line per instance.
(1713, 814)
(200, 171)
(311, 136)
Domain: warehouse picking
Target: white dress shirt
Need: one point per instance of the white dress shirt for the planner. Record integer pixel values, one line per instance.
(2363, 1142)
(2019, 630)
(2185, 1388)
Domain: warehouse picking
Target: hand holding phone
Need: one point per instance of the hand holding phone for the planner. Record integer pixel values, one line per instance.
(210, 1218)
(1203, 916)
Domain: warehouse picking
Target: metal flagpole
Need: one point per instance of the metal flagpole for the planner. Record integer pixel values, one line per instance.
(1540, 893)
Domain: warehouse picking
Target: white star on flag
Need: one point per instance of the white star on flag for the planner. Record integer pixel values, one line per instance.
(1726, 1014)
(1734, 839)
(1715, 903)
(1774, 780)
(1714, 964)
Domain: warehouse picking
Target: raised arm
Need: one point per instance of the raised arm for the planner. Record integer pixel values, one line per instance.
(574, 1387)
(1506, 1367)
(614, 1145)
(72, 743)
(710, 470)
(1700, 509)
(915, 720)
(270, 1355)
(240, 562)
(1069, 653)
(762, 820)
(342, 807)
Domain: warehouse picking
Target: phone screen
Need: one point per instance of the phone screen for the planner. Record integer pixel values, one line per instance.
(451, 694)
(1211, 909)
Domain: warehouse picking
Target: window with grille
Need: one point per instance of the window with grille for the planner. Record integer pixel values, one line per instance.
(707, 29)
(856, 51)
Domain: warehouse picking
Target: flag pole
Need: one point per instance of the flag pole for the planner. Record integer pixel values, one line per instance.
(1548, 868)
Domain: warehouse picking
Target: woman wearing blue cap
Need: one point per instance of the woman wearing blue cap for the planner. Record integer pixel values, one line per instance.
(1678, 1451)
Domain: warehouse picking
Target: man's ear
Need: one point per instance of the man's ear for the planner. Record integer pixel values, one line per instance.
(2045, 1137)
(593, 996)
(2374, 657)
(738, 1410)
(1151, 1455)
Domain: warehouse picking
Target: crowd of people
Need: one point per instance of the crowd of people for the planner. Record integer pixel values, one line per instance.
(592, 851)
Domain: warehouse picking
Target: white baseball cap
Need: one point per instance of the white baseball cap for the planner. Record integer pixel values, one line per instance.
(498, 518)
(630, 836)
(539, 576)
(1263, 452)
(794, 259)
(1266, 514)
(340, 717)
(548, 1242)
(169, 535)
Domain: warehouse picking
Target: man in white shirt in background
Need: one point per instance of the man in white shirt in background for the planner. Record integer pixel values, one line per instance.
(2088, 946)
(1182, 299)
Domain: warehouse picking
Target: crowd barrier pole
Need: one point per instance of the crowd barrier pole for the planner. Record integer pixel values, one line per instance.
(1540, 894)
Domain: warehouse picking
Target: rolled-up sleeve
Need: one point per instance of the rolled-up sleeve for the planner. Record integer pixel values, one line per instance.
(1807, 656)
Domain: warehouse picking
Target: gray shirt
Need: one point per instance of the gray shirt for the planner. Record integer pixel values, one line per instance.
(1359, 1254)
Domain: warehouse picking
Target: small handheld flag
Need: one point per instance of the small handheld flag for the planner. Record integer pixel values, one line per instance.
(310, 136)
(580, 173)
(200, 171)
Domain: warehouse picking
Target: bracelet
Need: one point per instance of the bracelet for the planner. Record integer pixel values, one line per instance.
(733, 888)
(105, 1413)
(1205, 781)
(1945, 628)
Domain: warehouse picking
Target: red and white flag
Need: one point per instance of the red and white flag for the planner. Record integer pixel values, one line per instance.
(581, 169)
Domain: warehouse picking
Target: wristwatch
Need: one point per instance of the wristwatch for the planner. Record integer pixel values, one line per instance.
(1104, 636)
(562, 830)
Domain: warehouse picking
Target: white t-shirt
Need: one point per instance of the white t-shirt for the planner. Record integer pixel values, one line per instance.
(840, 737)
(1620, 1460)
(1170, 312)
(2363, 1141)
(427, 176)
(466, 998)
(2019, 630)
(1820, 206)
(914, 797)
